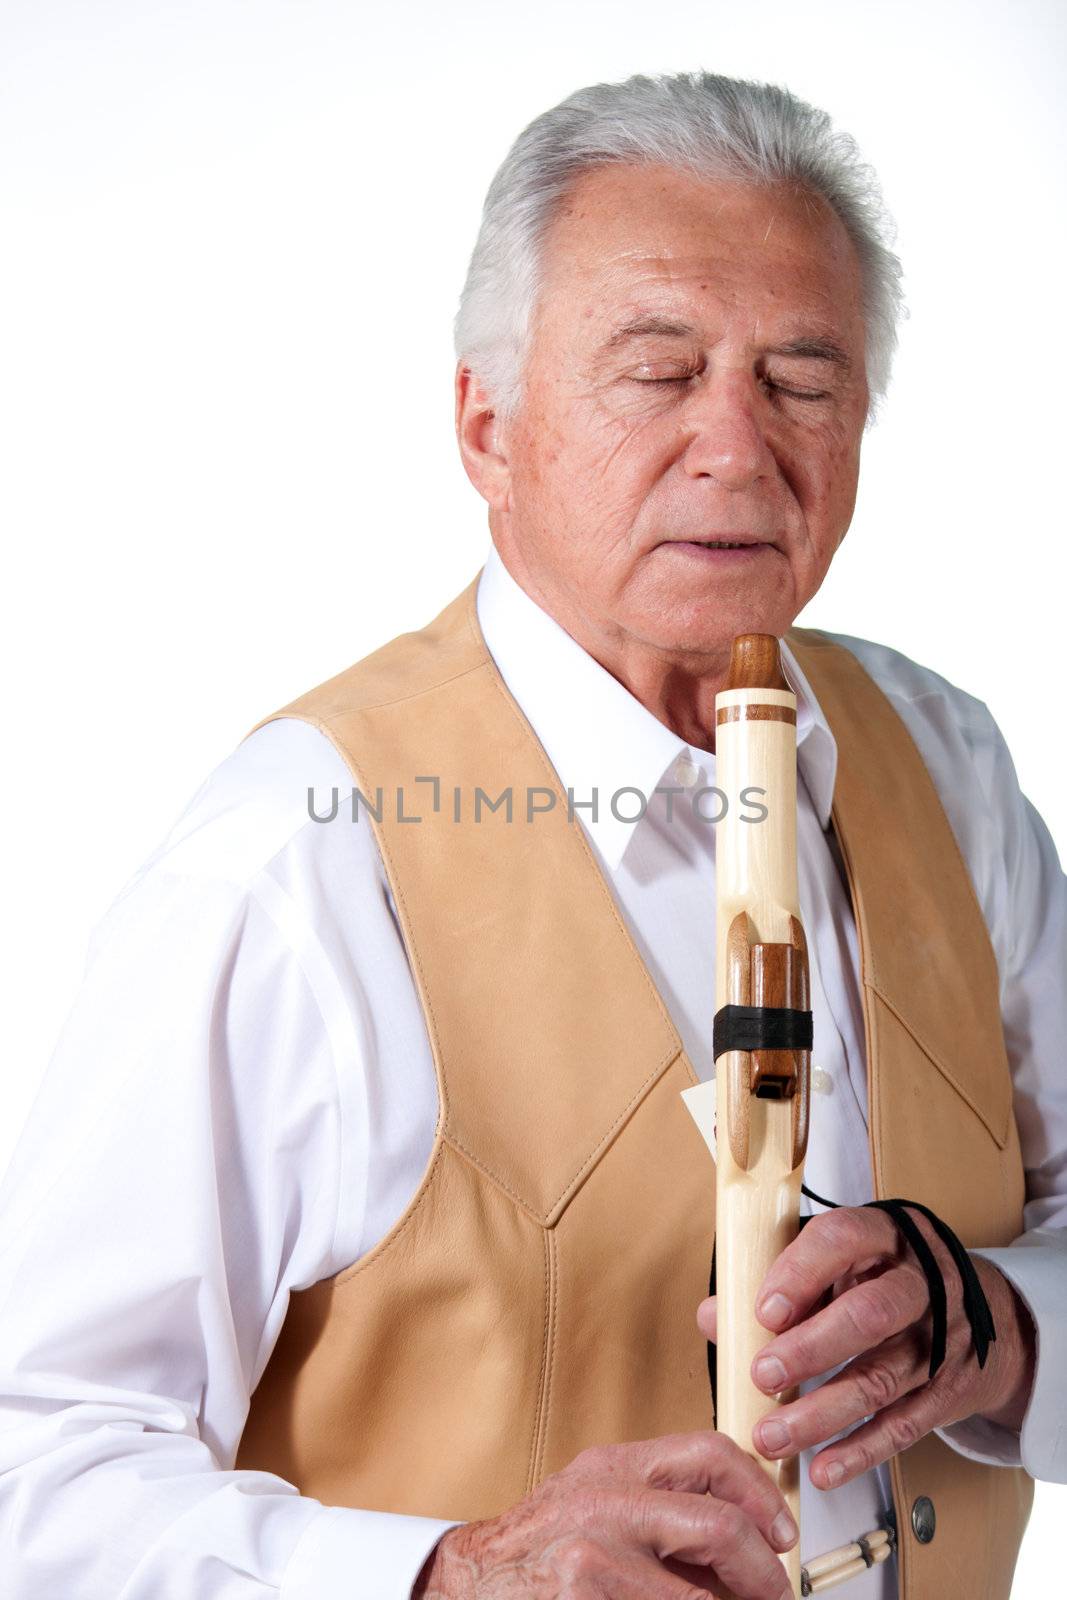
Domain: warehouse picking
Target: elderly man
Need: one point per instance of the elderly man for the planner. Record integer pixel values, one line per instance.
(359, 1237)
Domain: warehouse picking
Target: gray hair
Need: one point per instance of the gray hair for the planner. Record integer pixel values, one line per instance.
(695, 122)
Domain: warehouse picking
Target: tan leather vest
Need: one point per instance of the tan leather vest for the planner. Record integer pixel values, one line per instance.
(538, 1294)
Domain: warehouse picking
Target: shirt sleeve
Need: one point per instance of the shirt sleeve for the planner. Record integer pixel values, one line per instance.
(1024, 895)
(179, 1173)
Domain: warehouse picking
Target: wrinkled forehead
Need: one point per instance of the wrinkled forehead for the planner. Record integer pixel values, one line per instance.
(626, 235)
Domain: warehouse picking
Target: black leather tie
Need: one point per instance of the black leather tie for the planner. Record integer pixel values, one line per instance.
(975, 1304)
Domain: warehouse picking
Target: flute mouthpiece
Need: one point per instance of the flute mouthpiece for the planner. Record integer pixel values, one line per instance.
(756, 663)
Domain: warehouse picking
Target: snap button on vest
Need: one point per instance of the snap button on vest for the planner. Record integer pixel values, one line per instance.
(924, 1519)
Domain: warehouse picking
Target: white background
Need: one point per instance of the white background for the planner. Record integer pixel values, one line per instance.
(233, 236)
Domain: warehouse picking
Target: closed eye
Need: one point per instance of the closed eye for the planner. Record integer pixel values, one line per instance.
(682, 377)
(768, 383)
(797, 394)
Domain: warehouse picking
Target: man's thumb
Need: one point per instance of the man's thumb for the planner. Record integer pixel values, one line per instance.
(707, 1319)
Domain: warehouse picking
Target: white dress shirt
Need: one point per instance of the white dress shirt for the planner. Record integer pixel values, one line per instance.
(243, 1102)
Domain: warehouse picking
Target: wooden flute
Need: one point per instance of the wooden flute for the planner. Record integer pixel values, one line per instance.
(762, 1030)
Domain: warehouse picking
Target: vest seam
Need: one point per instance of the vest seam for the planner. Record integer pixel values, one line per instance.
(385, 1243)
(456, 1144)
(553, 1340)
(402, 699)
(900, 1492)
(548, 1219)
(538, 1407)
(938, 1063)
(641, 1093)
(324, 720)
(1008, 1205)
(544, 1377)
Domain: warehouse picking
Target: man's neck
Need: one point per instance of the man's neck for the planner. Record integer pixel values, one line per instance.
(677, 687)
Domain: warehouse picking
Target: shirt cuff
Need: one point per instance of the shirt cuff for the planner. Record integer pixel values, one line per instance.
(1036, 1267)
(347, 1554)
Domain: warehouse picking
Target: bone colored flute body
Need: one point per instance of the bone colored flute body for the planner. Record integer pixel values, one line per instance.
(762, 1096)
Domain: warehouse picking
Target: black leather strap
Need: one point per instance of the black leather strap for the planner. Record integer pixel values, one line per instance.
(975, 1304)
(713, 1350)
(760, 1028)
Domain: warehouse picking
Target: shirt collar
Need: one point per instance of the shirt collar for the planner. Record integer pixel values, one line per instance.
(597, 735)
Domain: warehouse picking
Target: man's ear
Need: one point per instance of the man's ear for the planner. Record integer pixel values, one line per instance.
(479, 436)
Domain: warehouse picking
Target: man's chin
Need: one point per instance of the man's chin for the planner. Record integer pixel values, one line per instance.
(708, 601)
(710, 629)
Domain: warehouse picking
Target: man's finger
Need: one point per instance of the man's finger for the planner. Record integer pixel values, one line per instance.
(864, 1389)
(859, 1320)
(896, 1428)
(701, 1578)
(708, 1532)
(710, 1463)
(708, 1318)
(847, 1240)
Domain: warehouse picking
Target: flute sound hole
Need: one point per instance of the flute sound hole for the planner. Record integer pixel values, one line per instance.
(776, 1088)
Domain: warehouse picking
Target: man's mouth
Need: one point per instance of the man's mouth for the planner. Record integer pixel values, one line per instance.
(719, 544)
(723, 544)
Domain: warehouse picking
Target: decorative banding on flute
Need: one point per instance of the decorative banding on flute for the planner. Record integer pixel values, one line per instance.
(758, 712)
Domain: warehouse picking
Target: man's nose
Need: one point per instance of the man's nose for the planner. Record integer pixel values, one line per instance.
(728, 441)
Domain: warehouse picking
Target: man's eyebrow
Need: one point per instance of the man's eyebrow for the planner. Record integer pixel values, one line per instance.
(640, 326)
(818, 348)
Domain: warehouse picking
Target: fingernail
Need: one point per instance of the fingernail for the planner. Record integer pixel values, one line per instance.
(775, 1311)
(770, 1374)
(784, 1531)
(834, 1473)
(774, 1435)
(787, 1593)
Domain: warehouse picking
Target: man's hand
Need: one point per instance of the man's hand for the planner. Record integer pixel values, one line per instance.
(849, 1289)
(663, 1519)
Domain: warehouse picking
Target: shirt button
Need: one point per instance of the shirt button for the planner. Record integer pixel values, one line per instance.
(686, 771)
(821, 1081)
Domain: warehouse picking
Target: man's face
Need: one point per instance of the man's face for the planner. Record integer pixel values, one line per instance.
(696, 373)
